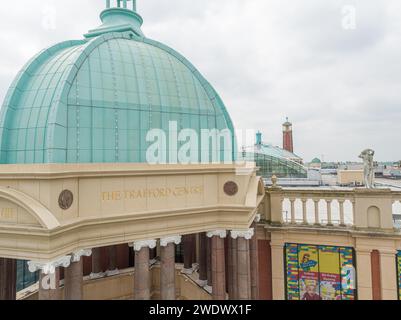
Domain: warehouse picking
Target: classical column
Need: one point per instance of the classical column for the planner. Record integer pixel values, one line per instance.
(112, 270)
(167, 267)
(49, 280)
(234, 274)
(208, 287)
(187, 242)
(142, 272)
(218, 264)
(74, 277)
(202, 259)
(254, 261)
(97, 271)
(8, 279)
(232, 269)
(243, 262)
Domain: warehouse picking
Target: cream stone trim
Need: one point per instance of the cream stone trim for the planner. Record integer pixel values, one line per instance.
(247, 234)
(138, 245)
(34, 207)
(218, 233)
(50, 267)
(164, 242)
(76, 256)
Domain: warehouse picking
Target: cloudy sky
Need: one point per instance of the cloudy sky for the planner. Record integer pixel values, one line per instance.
(333, 66)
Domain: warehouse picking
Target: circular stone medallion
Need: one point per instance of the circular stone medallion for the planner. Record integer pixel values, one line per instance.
(231, 188)
(65, 199)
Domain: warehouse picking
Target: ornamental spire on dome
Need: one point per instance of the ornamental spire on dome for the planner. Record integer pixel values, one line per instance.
(118, 17)
(124, 6)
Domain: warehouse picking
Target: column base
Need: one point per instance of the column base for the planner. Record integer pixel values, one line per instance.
(201, 283)
(209, 289)
(94, 276)
(187, 271)
(111, 273)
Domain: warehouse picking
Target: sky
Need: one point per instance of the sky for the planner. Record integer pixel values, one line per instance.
(333, 67)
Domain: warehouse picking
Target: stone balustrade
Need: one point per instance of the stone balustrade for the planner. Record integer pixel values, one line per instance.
(359, 208)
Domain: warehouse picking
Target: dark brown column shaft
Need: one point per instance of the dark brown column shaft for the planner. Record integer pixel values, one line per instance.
(244, 277)
(73, 281)
(209, 261)
(230, 267)
(235, 268)
(49, 286)
(376, 275)
(142, 274)
(193, 249)
(218, 269)
(254, 262)
(112, 253)
(8, 279)
(152, 253)
(187, 243)
(203, 257)
(96, 261)
(167, 272)
(233, 276)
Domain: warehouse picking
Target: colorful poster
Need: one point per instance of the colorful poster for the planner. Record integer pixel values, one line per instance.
(292, 272)
(348, 274)
(399, 273)
(330, 273)
(308, 271)
(321, 272)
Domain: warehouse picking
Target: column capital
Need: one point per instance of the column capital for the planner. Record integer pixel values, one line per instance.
(138, 245)
(77, 255)
(217, 233)
(247, 234)
(49, 267)
(164, 242)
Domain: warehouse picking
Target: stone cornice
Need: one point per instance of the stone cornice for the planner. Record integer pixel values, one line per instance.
(164, 242)
(57, 171)
(247, 234)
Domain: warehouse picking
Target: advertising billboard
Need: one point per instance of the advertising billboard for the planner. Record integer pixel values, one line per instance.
(319, 272)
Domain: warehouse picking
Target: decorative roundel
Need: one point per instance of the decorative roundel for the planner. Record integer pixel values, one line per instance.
(230, 188)
(65, 199)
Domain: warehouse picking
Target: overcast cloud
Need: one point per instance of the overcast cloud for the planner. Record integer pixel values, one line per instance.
(268, 59)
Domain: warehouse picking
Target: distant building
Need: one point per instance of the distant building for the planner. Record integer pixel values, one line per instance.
(273, 160)
(316, 163)
(288, 142)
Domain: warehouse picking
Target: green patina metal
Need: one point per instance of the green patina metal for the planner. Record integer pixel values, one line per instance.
(94, 100)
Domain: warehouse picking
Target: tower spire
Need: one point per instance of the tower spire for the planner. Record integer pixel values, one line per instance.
(124, 6)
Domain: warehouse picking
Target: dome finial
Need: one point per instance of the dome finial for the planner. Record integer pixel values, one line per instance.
(124, 6)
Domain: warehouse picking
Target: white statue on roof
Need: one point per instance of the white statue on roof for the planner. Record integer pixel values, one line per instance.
(367, 157)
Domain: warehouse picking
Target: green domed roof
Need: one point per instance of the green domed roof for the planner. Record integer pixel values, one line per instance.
(94, 100)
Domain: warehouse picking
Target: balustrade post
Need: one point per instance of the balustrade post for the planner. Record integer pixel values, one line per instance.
(342, 220)
(329, 218)
(304, 212)
(293, 221)
(353, 212)
(317, 218)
